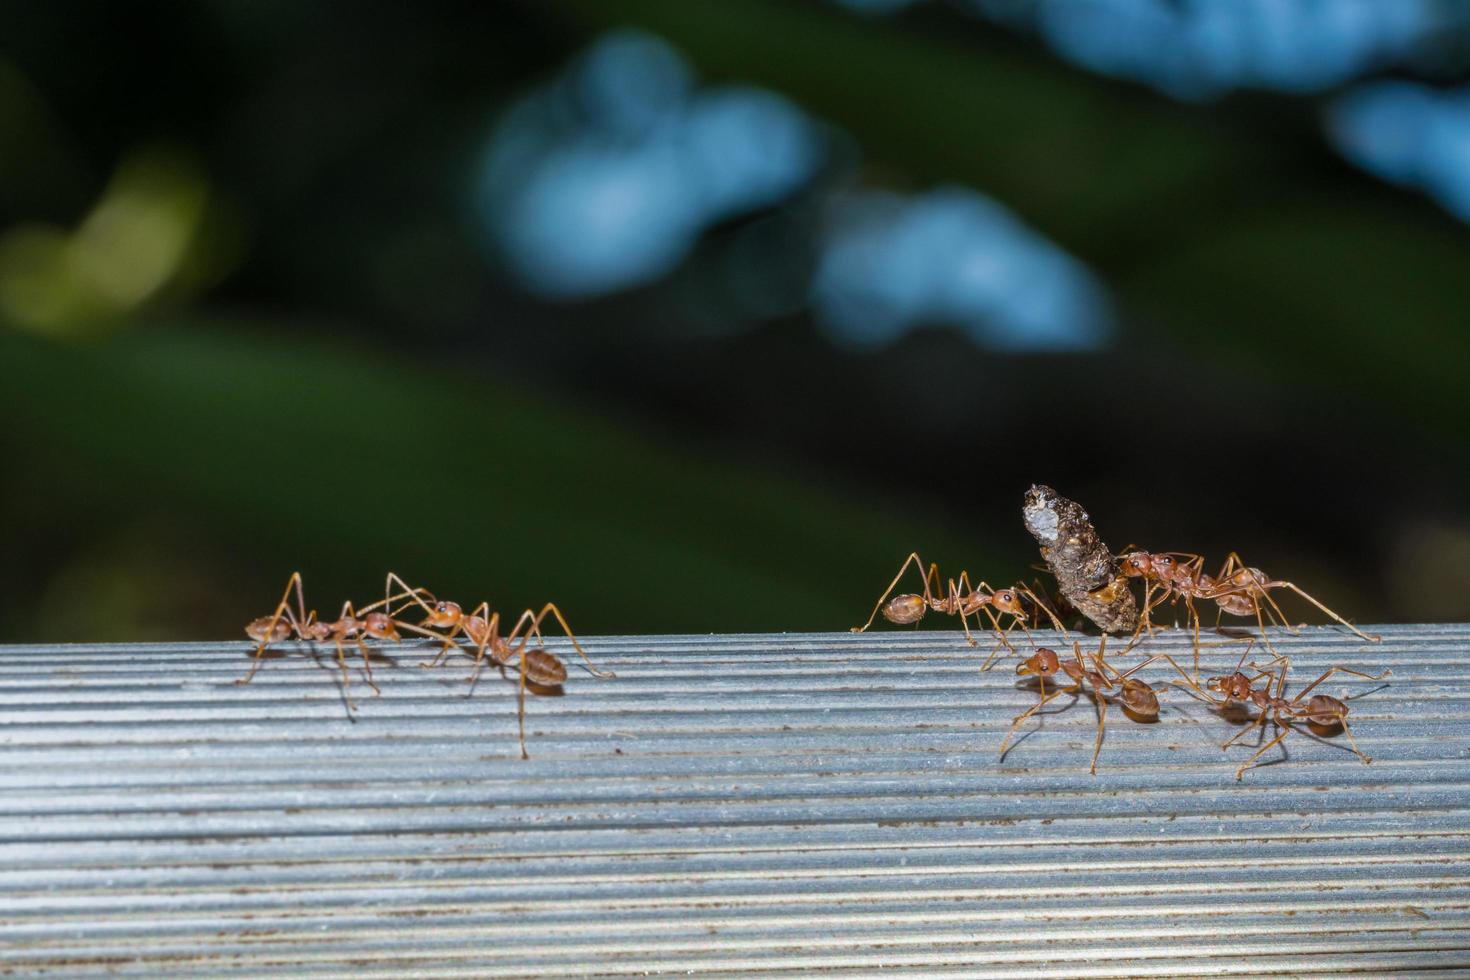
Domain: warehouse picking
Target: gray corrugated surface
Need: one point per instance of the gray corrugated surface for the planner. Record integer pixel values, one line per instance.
(734, 803)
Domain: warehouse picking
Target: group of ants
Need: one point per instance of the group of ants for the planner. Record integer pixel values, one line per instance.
(1168, 577)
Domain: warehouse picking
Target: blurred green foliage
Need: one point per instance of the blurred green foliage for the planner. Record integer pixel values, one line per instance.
(247, 327)
(312, 455)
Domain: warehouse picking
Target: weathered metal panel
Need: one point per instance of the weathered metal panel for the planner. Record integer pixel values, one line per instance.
(727, 804)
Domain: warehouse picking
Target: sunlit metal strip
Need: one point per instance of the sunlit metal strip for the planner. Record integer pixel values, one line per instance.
(758, 804)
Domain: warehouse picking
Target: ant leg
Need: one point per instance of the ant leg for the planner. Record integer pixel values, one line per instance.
(1260, 621)
(1367, 759)
(367, 666)
(282, 608)
(1339, 670)
(406, 591)
(346, 683)
(521, 701)
(912, 559)
(1145, 622)
(958, 592)
(443, 654)
(550, 607)
(1056, 623)
(1286, 729)
(1247, 729)
(1370, 637)
(1046, 698)
(1102, 717)
(1001, 638)
(487, 641)
(1194, 617)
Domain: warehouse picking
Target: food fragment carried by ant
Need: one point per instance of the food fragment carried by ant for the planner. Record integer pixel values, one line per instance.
(960, 599)
(1137, 698)
(1086, 571)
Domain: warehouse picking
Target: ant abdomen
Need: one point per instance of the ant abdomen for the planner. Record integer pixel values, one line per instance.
(270, 629)
(1237, 604)
(1325, 710)
(905, 609)
(1140, 699)
(544, 669)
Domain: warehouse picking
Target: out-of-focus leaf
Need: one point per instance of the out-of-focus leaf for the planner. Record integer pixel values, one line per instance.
(346, 465)
(1214, 224)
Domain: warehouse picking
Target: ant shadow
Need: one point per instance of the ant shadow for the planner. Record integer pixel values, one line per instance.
(327, 660)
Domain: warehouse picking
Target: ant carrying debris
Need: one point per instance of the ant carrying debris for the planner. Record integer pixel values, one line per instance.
(350, 624)
(1320, 710)
(537, 666)
(1138, 699)
(960, 599)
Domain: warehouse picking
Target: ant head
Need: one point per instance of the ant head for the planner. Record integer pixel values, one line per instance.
(1140, 699)
(1325, 710)
(380, 626)
(1008, 601)
(269, 628)
(1163, 565)
(904, 609)
(1044, 663)
(1236, 686)
(444, 613)
(544, 668)
(1137, 564)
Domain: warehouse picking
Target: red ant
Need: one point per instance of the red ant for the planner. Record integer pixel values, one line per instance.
(538, 667)
(1237, 590)
(1138, 698)
(961, 599)
(1240, 591)
(1321, 710)
(357, 625)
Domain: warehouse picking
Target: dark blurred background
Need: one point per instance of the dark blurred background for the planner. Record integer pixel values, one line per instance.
(702, 316)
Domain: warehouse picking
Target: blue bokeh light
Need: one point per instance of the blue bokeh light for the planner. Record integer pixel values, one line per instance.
(1201, 49)
(953, 257)
(605, 179)
(1410, 135)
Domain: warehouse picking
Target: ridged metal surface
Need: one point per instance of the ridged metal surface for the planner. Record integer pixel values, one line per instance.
(759, 804)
